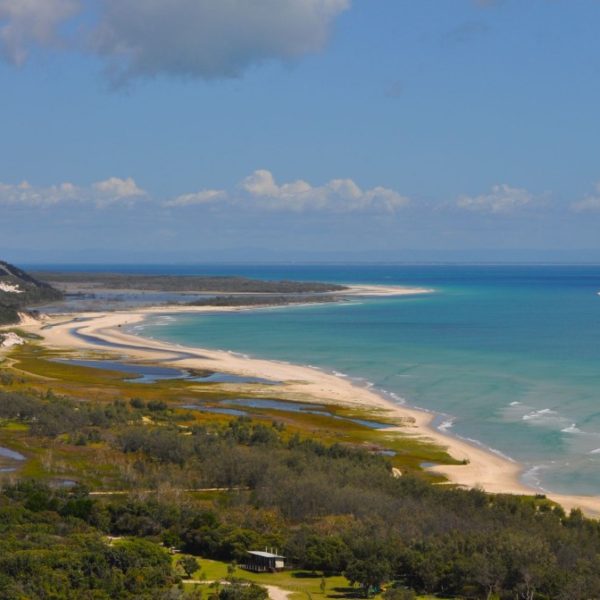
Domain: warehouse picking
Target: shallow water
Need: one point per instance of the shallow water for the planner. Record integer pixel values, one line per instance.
(11, 454)
(216, 410)
(145, 373)
(509, 355)
(298, 407)
(152, 373)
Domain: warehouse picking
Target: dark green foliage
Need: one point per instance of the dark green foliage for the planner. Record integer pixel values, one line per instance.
(271, 300)
(50, 549)
(32, 291)
(51, 416)
(370, 573)
(181, 283)
(242, 591)
(137, 403)
(157, 405)
(326, 553)
(329, 508)
(189, 565)
(399, 593)
(164, 445)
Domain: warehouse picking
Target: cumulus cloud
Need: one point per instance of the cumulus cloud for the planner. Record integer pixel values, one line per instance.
(102, 193)
(27, 23)
(24, 194)
(116, 190)
(590, 203)
(338, 195)
(501, 199)
(208, 38)
(201, 197)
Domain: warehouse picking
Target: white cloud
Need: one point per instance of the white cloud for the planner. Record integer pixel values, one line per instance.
(590, 203)
(102, 193)
(27, 195)
(208, 38)
(201, 197)
(26, 23)
(115, 190)
(502, 199)
(338, 195)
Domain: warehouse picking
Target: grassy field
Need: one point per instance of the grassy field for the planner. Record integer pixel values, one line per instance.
(304, 585)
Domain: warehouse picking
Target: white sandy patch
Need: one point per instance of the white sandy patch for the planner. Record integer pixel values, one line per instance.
(383, 290)
(277, 593)
(10, 288)
(10, 339)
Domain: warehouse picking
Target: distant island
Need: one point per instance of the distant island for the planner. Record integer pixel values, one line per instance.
(69, 281)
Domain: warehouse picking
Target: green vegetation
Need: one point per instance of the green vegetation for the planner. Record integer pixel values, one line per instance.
(51, 547)
(30, 292)
(178, 283)
(270, 299)
(213, 486)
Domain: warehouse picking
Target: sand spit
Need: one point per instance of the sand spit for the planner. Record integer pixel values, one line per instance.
(482, 469)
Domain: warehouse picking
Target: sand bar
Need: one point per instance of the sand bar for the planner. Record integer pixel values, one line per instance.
(382, 290)
(101, 331)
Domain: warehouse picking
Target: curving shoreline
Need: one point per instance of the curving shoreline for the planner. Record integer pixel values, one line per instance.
(484, 469)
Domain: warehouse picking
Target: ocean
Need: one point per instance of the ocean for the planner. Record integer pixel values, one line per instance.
(506, 356)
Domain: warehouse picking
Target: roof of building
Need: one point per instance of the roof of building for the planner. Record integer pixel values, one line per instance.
(264, 554)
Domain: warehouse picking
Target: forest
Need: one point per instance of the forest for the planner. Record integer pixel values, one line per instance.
(183, 283)
(330, 508)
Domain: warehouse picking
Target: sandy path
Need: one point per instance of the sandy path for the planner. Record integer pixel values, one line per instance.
(484, 469)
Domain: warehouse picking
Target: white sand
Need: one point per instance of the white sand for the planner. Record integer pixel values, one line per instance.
(382, 290)
(10, 339)
(484, 469)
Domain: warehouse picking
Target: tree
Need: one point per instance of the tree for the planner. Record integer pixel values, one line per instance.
(326, 553)
(369, 573)
(243, 591)
(397, 593)
(189, 565)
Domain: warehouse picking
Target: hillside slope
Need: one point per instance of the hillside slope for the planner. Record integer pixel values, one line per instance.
(19, 290)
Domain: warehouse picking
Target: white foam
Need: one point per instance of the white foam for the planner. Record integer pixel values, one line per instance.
(537, 415)
(487, 448)
(532, 477)
(447, 424)
(572, 429)
(339, 374)
(514, 404)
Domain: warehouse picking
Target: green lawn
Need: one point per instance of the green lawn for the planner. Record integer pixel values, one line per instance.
(305, 585)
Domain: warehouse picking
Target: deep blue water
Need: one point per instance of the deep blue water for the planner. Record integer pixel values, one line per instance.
(511, 354)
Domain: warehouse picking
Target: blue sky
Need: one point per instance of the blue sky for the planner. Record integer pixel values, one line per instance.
(202, 130)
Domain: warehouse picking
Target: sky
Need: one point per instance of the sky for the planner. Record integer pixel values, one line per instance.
(299, 130)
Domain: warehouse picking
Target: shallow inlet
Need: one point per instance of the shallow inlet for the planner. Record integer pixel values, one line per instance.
(219, 411)
(10, 454)
(152, 373)
(298, 407)
(294, 407)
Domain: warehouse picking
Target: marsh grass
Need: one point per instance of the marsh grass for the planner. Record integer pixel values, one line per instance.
(34, 370)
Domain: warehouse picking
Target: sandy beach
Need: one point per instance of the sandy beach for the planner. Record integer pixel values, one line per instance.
(382, 290)
(105, 332)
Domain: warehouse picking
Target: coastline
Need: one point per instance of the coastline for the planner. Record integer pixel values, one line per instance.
(484, 468)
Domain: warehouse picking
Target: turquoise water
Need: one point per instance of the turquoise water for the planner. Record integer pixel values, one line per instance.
(510, 356)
